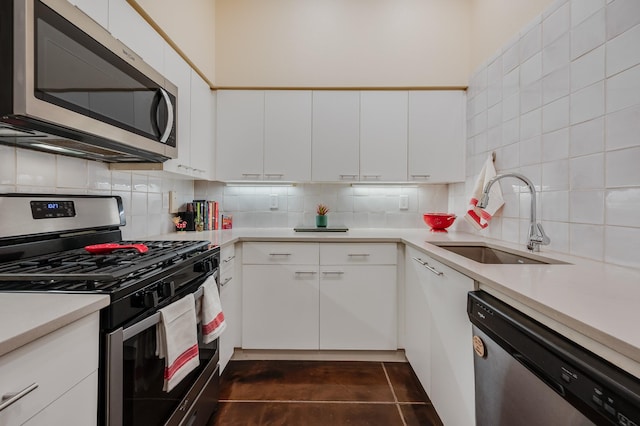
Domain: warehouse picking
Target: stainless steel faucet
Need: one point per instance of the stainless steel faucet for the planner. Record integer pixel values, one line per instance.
(537, 236)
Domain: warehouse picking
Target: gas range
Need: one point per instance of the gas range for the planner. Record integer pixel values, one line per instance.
(47, 246)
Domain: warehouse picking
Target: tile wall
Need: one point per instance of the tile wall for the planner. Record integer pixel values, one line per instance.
(145, 198)
(560, 103)
(352, 206)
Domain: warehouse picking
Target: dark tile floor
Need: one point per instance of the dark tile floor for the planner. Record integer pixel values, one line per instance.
(322, 393)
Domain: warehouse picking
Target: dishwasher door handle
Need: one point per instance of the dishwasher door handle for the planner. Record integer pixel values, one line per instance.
(552, 383)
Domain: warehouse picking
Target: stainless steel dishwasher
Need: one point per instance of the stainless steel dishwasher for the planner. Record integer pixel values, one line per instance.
(527, 374)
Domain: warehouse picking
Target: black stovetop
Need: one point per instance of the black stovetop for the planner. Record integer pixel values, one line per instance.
(80, 271)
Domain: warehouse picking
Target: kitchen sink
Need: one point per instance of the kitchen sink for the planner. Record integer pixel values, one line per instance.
(483, 253)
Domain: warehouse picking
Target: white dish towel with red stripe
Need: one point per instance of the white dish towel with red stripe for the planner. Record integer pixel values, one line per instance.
(211, 315)
(177, 340)
(478, 217)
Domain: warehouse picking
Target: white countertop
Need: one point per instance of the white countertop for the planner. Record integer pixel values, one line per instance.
(28, 316)
(595, 304)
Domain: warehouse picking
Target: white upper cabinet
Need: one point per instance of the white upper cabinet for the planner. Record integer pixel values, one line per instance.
(202, 128)
(336, 136)
(383, 135)
(240, 137)
(97, 10)
(179, 73)
(131, 29)
(287, 135)
(437, 136)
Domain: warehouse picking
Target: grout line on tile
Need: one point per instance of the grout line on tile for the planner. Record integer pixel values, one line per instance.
(395, 397)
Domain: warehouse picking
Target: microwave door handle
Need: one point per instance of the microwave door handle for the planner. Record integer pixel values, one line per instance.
(169, 126)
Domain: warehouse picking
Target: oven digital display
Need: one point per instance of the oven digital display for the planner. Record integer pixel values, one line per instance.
(52, 209)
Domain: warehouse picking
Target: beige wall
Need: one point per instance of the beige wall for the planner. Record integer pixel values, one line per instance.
(494, 22)
(189, 24)
(342, 43)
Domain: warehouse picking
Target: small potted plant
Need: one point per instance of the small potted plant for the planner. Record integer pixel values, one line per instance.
(321, 217)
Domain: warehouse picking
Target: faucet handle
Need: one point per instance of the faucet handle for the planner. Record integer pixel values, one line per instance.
(544, 238)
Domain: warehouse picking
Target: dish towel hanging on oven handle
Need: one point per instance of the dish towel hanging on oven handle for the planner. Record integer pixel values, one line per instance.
(211, 315)
(177, 340)
(478, 217)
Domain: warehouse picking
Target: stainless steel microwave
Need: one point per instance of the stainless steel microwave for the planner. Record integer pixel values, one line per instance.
(69, 87)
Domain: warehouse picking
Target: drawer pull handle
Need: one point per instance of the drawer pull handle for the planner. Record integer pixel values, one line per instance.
(251, 174)
(279, 254)
(229, 259)
(305, 272)
(421, 176)
(10, 398)
(429, 267)
(226, 280)
(351, 177)
(359, 254)
(333, 272)
(376, 177)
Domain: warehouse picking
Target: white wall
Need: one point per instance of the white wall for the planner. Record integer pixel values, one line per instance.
(561, 104)
(338, 43)
(354, 207)
(145, 198)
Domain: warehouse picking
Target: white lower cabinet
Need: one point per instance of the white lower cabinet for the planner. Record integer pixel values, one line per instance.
(319, 296)
(435, 313)
(60, 364)
(280, 306)
(231, 300)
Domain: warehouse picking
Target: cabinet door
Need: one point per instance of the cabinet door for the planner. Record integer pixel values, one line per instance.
(240, 135)
(287, 135)
(178, 72)
(452, 379)
(97, 10)
(437, 136)
(231, 299)
(358, 307)
(202, 127)
(280, 307)
(417, 319)
(127, 25)
(336, 136)
(383, 135)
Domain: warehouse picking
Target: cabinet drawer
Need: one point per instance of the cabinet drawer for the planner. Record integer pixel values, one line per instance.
(358, 254)
(55, 362)
(227, 255)
(280, 253)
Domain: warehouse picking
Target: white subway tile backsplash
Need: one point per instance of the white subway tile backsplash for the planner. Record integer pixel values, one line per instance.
(622, 207)
(623, 128)
(621, 16)
(510, 131)
(555, 206)
(555, 115)
(494, 115)
(587, 137)
(622, 245)
(555, 175)
(587, 207)
(7, 165)
(587, 172)
(586, 241)
(560, 232)
(588, 35)
(139, 183)
(556, 55)
(555, 145)
(531, 124)
(511, 107)
(510, 58)
(531, 70)
(556, 24)
(621, 168)
(582, 9)
(71, 172)
(623, 52)
(531, 97)
(531, 42)
(588, 69)
(588, 103)
(623, 90)
(36, 169)
(555, 85)
(531, 150)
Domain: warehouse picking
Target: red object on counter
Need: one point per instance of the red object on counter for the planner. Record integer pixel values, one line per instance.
(110, 247)
(439, 221)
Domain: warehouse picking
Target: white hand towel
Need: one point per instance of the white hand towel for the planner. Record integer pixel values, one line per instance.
(211, 315)
(177, 340)
(478, 217)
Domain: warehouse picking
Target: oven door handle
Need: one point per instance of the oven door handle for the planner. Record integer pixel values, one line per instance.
(154, 319)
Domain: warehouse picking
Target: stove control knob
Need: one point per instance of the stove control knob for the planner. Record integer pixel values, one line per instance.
(146, 299)
(167, 289)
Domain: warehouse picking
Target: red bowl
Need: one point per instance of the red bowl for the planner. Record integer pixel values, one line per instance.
(438, 222)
